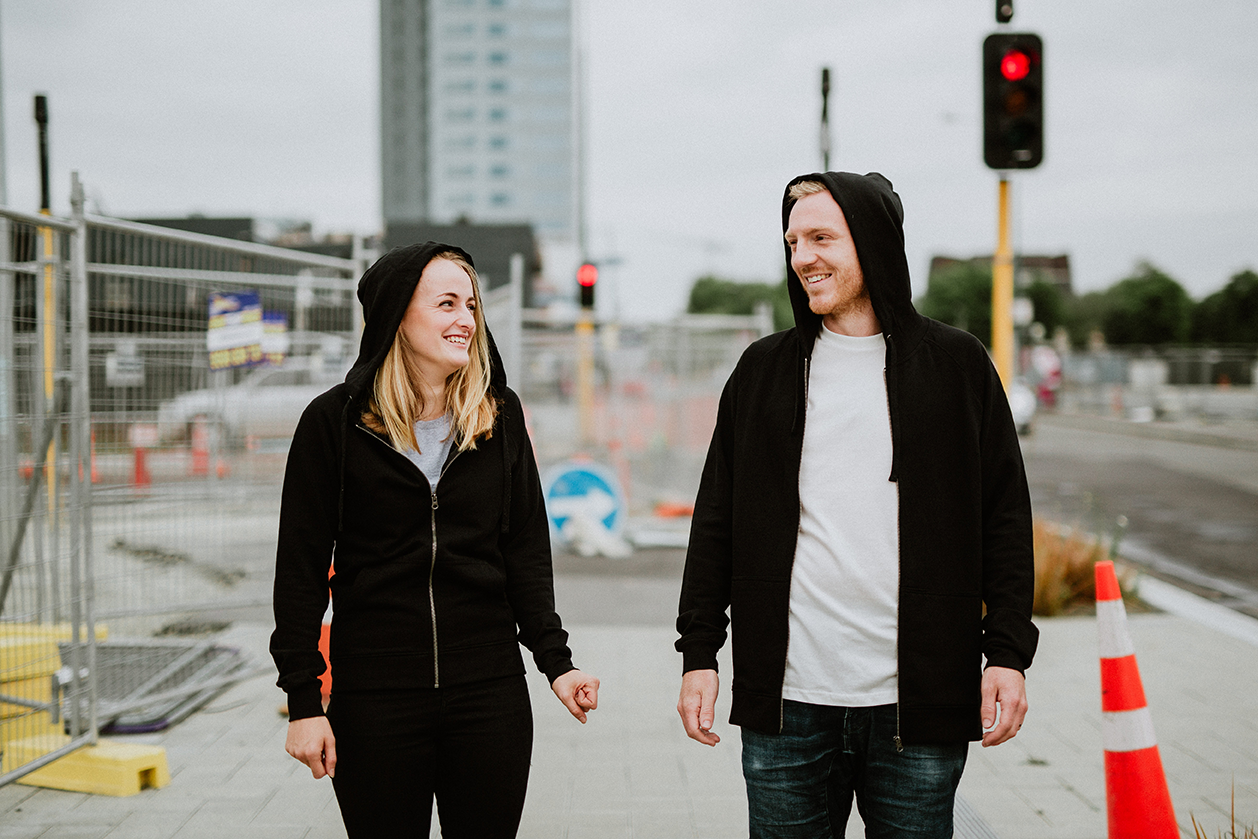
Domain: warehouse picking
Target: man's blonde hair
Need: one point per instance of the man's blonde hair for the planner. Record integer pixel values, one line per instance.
(396, 403)
(799, 190)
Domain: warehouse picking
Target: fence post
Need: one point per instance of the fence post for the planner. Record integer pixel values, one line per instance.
(81, 607)
(9, 486)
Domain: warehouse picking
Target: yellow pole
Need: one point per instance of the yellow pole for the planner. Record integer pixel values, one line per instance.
(585, 376)
(1002, 292)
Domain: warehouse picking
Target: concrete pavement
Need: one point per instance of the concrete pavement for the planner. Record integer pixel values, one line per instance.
(632, 773)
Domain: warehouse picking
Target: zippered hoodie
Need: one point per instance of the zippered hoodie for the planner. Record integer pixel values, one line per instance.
(432, 587)
(964, 509)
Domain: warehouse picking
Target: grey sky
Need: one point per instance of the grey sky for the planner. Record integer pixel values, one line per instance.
(698, 113)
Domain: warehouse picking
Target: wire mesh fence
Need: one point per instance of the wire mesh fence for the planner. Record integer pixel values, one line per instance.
(141, 456)
(139, 480)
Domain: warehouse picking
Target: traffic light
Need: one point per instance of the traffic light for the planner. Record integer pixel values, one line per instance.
(1013, 100)
(587, 278)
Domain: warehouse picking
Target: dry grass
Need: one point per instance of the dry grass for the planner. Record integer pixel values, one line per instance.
(1065, 576)
(1246, 832)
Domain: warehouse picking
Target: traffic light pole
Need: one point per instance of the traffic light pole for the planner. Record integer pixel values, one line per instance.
(585, 376)
(1002, 291)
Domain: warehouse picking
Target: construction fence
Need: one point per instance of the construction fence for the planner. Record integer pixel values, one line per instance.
(142, 451)
(137, 493)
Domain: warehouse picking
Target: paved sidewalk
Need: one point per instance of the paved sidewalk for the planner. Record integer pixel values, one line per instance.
(631, 772)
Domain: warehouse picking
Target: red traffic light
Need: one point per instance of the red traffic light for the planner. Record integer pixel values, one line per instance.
(1015, 65)
(587, 274)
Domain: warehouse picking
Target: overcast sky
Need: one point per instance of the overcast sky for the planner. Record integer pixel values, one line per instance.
(698, 113)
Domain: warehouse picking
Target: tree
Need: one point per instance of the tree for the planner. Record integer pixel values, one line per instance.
(961, 295)
(1147, 308)
(1049, 305)
(1085, 315)
(713, 295)
(1230, 315)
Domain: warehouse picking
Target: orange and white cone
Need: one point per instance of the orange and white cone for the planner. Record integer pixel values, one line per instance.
(1138, 803)
(325, 646)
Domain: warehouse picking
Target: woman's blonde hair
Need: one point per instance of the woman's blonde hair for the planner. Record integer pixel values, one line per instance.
(396, 402)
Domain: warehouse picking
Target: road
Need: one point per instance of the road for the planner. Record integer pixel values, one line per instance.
(1191, 513)
(1191, 510)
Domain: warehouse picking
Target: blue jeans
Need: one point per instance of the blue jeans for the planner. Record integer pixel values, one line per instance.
(800, 783)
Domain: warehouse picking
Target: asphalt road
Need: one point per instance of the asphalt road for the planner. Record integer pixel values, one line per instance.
(1188, 513)
(1190, 510)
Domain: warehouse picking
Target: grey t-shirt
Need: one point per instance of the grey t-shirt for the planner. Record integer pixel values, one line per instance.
(434, 439)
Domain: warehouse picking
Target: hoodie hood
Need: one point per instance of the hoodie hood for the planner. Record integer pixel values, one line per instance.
(875, 216)
(385, 291)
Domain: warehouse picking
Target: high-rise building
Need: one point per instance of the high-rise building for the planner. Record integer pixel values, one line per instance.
(478, 117)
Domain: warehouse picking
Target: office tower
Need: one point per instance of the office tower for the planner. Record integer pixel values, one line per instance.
(478, 114)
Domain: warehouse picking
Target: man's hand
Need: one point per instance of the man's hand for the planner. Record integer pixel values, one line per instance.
(310, 740)
(578, 692)
(697, 705)
(1005, 687)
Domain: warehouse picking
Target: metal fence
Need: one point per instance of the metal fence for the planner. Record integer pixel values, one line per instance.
(1210, 384)
(139, 488)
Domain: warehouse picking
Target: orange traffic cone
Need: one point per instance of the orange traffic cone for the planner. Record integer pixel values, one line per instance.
(325, 643)
(1138, 803)
(140, 475)
(199, 464)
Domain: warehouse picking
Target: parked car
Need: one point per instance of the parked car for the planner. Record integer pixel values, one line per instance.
(266, 403)
(1023, 403)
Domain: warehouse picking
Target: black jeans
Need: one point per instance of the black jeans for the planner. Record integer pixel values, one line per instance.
(469, 745)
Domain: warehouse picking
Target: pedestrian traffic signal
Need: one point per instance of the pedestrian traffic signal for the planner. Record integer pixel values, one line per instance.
(587, 278)
(1013, 100)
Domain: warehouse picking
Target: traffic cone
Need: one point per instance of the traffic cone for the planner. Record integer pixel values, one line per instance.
(1138, 803)
(199, 465)
(325, 643)
(140, 475)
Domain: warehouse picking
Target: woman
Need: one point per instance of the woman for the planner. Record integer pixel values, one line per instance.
(418, 474)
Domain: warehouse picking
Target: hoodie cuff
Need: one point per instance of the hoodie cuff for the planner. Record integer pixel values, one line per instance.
(304, 704)
(696, 660)
(556, 670)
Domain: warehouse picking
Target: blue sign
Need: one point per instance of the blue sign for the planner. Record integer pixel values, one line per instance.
(586, 490)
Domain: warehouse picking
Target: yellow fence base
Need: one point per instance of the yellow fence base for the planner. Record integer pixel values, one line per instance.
(108, 768)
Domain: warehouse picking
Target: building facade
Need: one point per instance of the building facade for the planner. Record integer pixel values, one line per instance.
(478, 114)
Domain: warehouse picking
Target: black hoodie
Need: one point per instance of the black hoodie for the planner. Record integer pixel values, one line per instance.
(964, 508)
(431, 587)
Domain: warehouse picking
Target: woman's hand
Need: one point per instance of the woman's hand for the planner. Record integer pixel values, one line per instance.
(577, 691)
(310, 740)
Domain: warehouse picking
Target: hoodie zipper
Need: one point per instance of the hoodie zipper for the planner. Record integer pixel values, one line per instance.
(899, 744)
(432, 566)
(804, 413)
(432, 598)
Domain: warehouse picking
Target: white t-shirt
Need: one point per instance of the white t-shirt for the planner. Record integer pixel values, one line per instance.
(845, 583)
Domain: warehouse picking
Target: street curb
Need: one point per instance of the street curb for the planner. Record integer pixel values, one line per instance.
(1156, 431)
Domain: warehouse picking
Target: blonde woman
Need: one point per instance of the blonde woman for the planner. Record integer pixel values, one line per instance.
(418, 476)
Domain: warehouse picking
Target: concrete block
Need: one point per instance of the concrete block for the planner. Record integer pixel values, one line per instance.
(108, 768)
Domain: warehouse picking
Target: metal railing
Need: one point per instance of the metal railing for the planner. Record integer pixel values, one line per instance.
(138, 488)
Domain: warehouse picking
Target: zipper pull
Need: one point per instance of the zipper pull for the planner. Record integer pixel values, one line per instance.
(434, 499)
(899, 745)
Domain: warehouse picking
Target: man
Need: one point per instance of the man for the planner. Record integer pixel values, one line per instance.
(864, 516)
